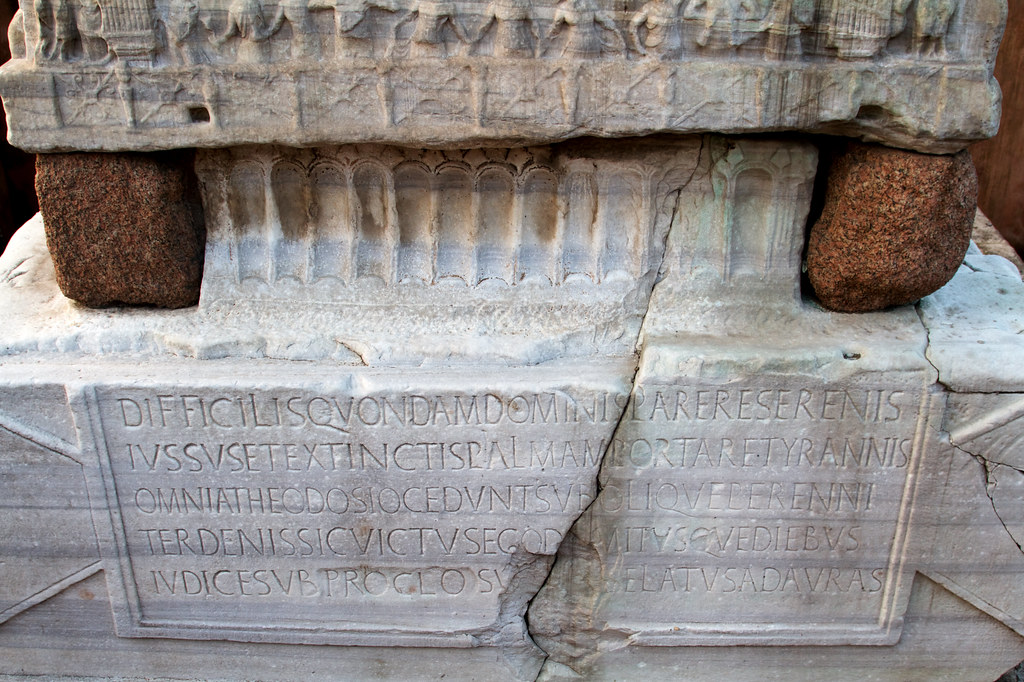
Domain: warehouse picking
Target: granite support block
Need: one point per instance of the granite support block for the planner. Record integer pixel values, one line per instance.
(123, 228)
(894, 227)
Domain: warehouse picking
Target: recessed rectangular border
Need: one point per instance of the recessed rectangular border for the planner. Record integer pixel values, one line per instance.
(130, 621)
(895, 595)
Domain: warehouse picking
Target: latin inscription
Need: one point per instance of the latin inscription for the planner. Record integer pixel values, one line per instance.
(354, 512)
(774, 502)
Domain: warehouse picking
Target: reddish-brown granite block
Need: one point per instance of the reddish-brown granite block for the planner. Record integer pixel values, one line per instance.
(123, 227)
(895, 226)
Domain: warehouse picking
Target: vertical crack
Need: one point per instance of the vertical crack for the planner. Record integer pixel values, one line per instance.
(659, 275)
(928, 345)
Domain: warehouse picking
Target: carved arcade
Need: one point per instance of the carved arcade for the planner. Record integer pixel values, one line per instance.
(336, 217)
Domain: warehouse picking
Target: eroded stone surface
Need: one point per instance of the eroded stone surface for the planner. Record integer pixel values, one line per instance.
(895, 226)
(47, 541)
(976, 346)
(216, 74)
(219, 486)
(976, 551)
(372, 509)
(123, 228)
(734, 502)
(533, 254)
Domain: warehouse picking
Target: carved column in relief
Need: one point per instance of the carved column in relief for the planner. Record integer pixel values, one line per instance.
(332, 242)
(625, 202)
(494, 196)
(760, 245)
(580, 221)
(861, 28)
(127, 27)
(247, 202)
(291, 200)
(453, 204)
(739, 227)
(538, 200)
(374, 220)
(538, 216)
(414, 211)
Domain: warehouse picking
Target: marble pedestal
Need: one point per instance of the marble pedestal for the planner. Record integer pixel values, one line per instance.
(557, 412)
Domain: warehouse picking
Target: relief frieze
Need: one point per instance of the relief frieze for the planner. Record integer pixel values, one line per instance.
(506, 72)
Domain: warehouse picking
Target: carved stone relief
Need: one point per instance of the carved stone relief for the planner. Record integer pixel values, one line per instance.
(533, 215)
(421, 61)
(78, 30)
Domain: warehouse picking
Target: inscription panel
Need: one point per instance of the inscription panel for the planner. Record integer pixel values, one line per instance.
(288, 514)
(765, 509)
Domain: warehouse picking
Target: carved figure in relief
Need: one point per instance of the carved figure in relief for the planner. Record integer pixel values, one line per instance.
(89, 19)
(784, 22)
(862, 28)
(931, 24)
(585, 28)
(57, 30)
(247, 21)
(16, 36)
(126, 92)
(438, 30)
(514, 31)
(296, 13)
(656, 29)
(187, 32)
(733, 22)
(359, 24)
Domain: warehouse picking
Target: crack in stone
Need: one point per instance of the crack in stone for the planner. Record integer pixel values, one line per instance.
(990, 485)
(13, 273)
(622, 416)
(597, 494)
(350, 348)
(928, 345)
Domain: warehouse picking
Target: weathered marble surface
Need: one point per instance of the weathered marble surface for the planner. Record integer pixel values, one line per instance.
(757, 490)
(978, 352)
(533, 253)
(373, 508)
(438, 474)
(977, 345)
(112, 75)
